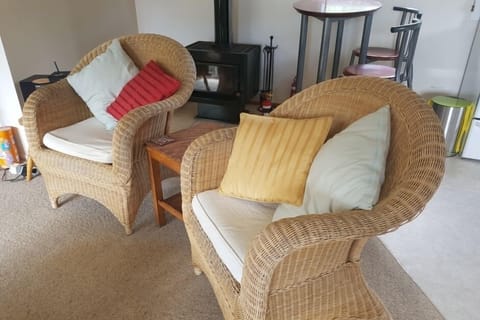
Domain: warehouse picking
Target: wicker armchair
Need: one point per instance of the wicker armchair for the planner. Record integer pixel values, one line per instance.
(308, 267)
(122, 185)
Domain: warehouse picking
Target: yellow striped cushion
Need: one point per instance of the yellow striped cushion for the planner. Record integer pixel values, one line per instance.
(271, 158)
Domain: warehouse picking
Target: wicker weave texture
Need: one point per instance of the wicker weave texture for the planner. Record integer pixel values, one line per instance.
(307, 267)
(122, 185)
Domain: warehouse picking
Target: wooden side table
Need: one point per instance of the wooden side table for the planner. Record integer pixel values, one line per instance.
(170, 155)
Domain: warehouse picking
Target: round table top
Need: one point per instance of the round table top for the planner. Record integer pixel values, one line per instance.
(336, 8)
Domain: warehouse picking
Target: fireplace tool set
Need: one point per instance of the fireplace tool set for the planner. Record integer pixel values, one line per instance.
(266, 93)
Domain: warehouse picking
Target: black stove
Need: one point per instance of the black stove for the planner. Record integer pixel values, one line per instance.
(227, 73)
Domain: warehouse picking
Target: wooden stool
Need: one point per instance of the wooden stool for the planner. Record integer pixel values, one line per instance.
(402, 71)
(389, 54)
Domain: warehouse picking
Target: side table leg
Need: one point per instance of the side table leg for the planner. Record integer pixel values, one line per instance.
(157, 193)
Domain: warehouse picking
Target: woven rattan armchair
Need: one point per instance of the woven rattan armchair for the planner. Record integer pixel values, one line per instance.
(308, 267)
(122, 185)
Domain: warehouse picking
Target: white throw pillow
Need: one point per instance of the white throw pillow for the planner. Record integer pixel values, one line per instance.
(100, 82)
(348, 171)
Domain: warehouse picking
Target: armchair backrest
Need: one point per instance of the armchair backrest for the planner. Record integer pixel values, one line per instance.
(141, 48)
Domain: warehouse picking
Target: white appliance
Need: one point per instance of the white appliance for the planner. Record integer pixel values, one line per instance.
(470, 90)
(471, 150)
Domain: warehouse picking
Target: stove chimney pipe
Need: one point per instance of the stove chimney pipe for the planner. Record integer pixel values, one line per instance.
(223, 27)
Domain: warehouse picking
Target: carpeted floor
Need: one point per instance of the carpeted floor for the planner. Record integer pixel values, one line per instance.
(439, 249)
(75, 262)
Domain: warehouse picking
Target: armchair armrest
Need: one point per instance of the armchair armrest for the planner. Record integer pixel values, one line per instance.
(51, 107)
(311, 246)
(140, 126)
(143, 124)
(296, 253)
(205, 163)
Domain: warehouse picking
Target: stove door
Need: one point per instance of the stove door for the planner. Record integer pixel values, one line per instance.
(222, 79)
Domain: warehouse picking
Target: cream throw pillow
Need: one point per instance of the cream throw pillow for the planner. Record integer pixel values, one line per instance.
(271, 157)
(349, 169)
(100, 82)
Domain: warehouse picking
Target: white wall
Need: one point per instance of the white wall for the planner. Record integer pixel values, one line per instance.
(9, 104)
(36, 33)
(186, 21)
(470, 89)
(445, 38)
(444, 44)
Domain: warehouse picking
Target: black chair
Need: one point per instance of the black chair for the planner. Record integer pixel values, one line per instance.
(402, 69)
(389, 54)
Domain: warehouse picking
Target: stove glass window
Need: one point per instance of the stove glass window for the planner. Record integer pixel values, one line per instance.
(217, 78)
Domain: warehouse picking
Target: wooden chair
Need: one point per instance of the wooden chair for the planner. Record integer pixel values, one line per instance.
(122, 185)
(389, 54)
(308, 267)
(402, 69)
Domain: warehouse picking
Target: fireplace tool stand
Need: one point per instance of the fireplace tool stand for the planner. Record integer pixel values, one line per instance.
(266, 93)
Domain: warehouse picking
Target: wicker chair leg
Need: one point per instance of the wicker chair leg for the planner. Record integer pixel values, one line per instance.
(29, 168)
(54, 202)
(197, 270)
(128, 229)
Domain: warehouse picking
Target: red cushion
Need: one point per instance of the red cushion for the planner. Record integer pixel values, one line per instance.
(151, 84)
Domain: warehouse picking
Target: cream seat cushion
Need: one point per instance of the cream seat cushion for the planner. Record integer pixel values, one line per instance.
(87, 139)
(231, 224)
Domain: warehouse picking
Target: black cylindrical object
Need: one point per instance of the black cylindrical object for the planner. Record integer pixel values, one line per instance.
(223, 27)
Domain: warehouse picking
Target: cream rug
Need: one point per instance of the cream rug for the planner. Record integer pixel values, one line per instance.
(75, 262)
(439, 249)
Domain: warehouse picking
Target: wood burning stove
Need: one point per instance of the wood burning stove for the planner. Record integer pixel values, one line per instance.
(227, 74)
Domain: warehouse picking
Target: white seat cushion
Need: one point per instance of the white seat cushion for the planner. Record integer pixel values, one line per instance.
(231, 224)
(87, 139)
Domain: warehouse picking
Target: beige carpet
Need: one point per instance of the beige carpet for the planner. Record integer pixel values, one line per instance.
(444, 239)
(75, 262)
